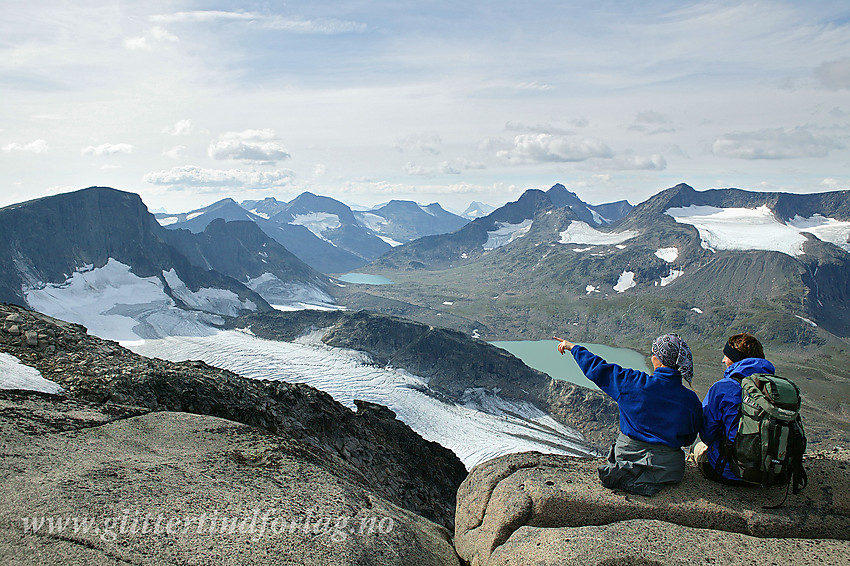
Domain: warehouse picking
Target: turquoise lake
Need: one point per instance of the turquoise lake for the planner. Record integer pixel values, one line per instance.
(543, 355)
(365, 279)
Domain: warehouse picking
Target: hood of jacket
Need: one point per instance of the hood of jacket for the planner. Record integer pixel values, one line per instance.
(749, 366)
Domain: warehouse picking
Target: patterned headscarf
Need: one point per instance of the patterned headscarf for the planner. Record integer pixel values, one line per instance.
(672, 351)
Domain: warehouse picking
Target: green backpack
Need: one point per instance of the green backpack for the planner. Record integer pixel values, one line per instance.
(768, 448)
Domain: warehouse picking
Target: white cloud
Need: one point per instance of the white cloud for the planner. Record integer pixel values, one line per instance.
(539, 128)
(427, 142)
(255, 146)
(108, 149)
(775, 143)
(533, 85)
(835, 75)
(37, 146)
(147, 40)
(180, 128)
(411, 168)
(175, 152)
(199, 177)
(327, 26)
(536, 148)
(655, 162)
(651, 117)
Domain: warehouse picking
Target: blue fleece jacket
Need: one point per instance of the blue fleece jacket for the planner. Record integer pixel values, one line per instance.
(720, 408)
(654, 408)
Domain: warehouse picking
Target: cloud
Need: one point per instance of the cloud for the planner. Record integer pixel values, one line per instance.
(254, 146)
(541, 148)
(199, 177)
(776, 143)
(533, 85)
(835, 75)
(536, 129)
(411, 168)
(146, 41)
(651, 122)
(655, 162)
(326, 26)
(427, 142)
(175, 152)
(452, 167)
(37, 146)
(181, 128)
(108, 149)
(651, 117)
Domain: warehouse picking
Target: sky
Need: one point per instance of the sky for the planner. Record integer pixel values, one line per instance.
(186, 103)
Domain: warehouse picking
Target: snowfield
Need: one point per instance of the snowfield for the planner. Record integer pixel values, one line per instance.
(625, 282)
(758, 229)
(506, 233)
(826, 229)
(115, 304)
(15, 375)
(479, 427)
(667, 254)
(582, 233)
(672, 276)
(317, 222)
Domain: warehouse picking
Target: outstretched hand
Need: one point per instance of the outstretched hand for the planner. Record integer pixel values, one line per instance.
(564, 346)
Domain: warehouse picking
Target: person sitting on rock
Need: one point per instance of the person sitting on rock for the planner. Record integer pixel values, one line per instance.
(658, 415)
(743, 355)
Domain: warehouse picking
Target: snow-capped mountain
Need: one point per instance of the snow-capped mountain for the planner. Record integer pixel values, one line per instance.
(477, 210)
(500, 227)
(401, 221)
(197, 220)
(303, 238)
(98, 257)
(775, 263)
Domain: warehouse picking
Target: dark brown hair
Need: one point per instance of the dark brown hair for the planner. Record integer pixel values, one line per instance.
(747, 344)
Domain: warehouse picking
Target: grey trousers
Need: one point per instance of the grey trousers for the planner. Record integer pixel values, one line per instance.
(640, 467)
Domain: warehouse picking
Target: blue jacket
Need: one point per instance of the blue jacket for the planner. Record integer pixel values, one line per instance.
(654, 408)
(720, 408)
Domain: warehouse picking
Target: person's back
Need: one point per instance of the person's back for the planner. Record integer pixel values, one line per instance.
(743, 355)
(658, 415)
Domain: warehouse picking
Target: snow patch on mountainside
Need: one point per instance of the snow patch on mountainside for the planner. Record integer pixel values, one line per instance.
(740, 229)
(317, 222)
(114, 303)
(389, 240)
(217, 301)
(167, 220)
(826, 229)
(506, 233)
(15, 375)
(579, 232)
(670, 277)
(479, 427)
(626, 281)
(667, 254)
(289, 294)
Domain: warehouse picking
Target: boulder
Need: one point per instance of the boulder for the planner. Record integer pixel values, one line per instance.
(533, 508)
(179, 488)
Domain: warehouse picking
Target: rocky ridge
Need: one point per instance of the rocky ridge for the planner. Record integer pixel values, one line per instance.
(370, 446)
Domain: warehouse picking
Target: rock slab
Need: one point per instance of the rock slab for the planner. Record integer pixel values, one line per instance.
(534, 508)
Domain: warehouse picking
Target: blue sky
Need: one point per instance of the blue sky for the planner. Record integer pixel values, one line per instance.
(189, 102)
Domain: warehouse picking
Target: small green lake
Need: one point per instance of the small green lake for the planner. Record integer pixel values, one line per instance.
(365, 279)
(543, 355)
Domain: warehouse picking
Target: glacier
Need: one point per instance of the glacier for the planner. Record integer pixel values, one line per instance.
(480, 426)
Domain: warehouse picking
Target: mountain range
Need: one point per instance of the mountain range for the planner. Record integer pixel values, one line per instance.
(99, 254)
(323, 232)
